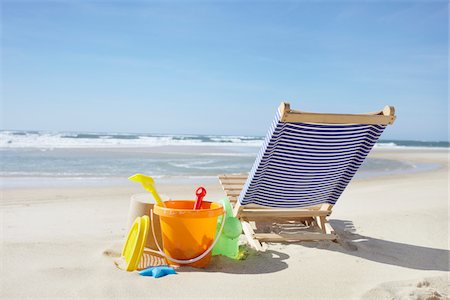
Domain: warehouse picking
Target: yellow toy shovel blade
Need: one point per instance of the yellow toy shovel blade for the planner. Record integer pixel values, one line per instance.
(149, 184)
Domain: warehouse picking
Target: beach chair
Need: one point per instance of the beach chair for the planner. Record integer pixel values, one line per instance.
(304, 165)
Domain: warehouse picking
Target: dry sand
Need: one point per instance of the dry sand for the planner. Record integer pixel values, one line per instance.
(394, 233)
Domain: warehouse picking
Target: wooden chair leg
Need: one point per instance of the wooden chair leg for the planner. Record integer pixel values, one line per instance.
(322, 222)
(324, 226)
(250, 235)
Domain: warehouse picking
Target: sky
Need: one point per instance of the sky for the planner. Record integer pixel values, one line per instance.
(221, 67)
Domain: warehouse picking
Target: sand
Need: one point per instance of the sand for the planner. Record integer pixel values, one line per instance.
(394, 244)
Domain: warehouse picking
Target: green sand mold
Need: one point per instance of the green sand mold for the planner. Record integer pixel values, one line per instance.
(228, 243)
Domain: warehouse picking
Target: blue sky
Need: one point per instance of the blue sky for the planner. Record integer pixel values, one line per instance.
(221, 67)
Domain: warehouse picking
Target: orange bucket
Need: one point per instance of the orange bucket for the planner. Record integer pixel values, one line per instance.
(188, 233)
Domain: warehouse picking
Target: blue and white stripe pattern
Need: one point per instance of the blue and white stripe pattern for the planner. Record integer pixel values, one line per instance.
(305, 164)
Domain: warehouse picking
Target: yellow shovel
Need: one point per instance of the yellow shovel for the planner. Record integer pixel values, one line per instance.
(149, 184)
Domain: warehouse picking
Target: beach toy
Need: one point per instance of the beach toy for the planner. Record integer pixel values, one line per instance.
(141, 205)
(188, 235)
(149, 184)
(228, 243)
(135, 256)
(200, 193)
(159, 271)
(134, 245)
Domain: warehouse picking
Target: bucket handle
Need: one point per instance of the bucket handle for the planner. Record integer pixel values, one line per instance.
(192, 260)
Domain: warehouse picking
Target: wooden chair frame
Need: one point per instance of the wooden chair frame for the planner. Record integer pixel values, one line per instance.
(315, 217)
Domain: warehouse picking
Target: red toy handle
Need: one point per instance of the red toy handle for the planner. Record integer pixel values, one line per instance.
(200, 193)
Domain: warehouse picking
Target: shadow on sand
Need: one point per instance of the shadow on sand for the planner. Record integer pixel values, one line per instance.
(386, 252)
(269, 261)
(350, 243)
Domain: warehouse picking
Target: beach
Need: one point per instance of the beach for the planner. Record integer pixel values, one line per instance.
(326, 124)
(61, 242)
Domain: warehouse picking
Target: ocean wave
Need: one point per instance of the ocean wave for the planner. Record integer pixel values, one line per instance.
(48, 140)
(198, 164)
(34, 139)
(387, 145)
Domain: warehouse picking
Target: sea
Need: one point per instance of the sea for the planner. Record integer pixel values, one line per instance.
(43, 158)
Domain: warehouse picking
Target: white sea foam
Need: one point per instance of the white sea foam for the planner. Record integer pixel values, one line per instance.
(50, 140)
(15, 139)
(387, 145)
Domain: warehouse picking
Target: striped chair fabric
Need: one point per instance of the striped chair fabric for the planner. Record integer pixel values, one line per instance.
(305, 164)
